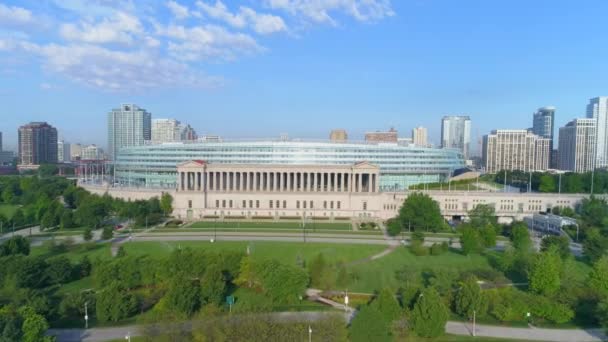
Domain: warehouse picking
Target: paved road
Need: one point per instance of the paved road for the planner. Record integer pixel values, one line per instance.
(534, 334)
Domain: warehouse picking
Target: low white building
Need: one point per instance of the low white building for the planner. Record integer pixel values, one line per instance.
(549, 223)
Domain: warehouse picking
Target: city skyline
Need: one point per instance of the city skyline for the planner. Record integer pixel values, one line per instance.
(306, 69)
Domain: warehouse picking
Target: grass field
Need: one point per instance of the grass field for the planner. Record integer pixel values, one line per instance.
(262, 230)
(380, 273)
(7, 210)
(270, 225)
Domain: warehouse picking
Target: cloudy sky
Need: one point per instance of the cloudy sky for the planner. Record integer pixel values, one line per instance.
(258, 68)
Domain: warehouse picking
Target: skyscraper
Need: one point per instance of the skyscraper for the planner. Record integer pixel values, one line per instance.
(598, 109)
(166, 130)
(0, 141)
(543, 124)
(128, 125)
(188, 133)
(382, 137)
(37, 144)
(577, 145)
(515, 149)
(456, 133)
(419, 136)
(63, 151)
(338, 136)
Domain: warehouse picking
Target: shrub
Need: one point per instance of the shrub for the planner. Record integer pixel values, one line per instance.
(418, 249)
(438, 248)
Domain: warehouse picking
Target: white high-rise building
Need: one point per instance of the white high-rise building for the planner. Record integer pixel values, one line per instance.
(577, 145)
(598, 109)
(128, 125)
(456, 133)
(63, 151)
(419, 136)
(91, 152)
(166, 130)
(75, 151)
(515, 149)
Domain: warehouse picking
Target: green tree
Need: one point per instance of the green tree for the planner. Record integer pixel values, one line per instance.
(387, 305)
(545, 273)
(547, 183)
(368, 325)
(470, 240)
(107, 233)
(59, 270)
(183, 296)
(213, 285)
(595, 245)
(520, 237)
(468, 299)
(488, 236)
(15, 245)
(47, 170)
(429, 315)
(34, 326)
(598, 277)
(67, 220)
(87, 235)
(166, 203)
(482, 216)
(114, 303)
(422, 212)
(601, 312)
(561, 243)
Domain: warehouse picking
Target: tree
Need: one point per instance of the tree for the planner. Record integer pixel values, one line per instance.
(429, 315)
(67, 220)
(387, 305)
(602, 313)
(34, 326)
(488, 236)
(166, 203)
(107, 233)
(482, 216)
(59, 270)
(470, 240)
(183, 296)
(545, 273)
(598, 277)
(321, 274)
(422, 212)
(561, 243)
(47, 170)
(369, 325)
(213, 285)
(595, 245)
(115, 303)
(469, 299)
(520, 237)
(547, 183)
(15, 245)
(87, 235)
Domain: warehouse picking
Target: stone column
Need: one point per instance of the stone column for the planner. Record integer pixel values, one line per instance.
(360, 182)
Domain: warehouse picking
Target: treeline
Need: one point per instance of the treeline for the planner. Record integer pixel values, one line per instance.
(57, 202)
(547, 182)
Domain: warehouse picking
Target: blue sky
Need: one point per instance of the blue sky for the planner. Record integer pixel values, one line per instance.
(258, 68)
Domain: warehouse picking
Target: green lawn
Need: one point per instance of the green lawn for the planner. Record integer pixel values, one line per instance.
(284, 251)
(267, 225)
(7, 210)
(264, 230)
(380, 273)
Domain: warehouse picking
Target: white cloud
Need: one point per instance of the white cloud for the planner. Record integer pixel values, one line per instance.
(207, 42)
(46, 86)
(319, 10)
(12, 15)
(259, 22)
(122, 28)
(119, 71)
(179, 11)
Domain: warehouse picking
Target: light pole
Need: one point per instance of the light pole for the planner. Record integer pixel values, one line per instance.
(128, 337)
(346, 301)
(309, 334)
(86, 315)
(560, 184)
(473, 323)
(592, 176)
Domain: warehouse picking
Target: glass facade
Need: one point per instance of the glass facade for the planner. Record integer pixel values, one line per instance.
(154, 166)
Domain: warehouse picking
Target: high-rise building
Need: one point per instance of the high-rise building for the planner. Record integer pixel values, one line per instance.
(187, 133)
(63, 151)
(128, 125)
(598, 109)
(91, 152)
(577, 145)
(6, 157)
(515, 149)
(165, 130)
(543, 125)
(0, 141)
(382, 137)
(338, 136)
(37, 144)
(75, 151)
(420, 136)
(456, 133)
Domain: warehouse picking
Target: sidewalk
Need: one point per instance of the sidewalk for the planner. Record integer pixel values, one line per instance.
(535, 334)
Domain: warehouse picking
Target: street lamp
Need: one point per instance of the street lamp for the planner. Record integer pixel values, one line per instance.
(346, 301)
(128, 337)
(309, 334)
(86, 316)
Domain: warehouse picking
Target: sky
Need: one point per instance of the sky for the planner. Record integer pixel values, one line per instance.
(259, 68)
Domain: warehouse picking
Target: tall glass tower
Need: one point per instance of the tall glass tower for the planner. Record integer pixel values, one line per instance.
(128, 125)
(598, 109)
(456, 133)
